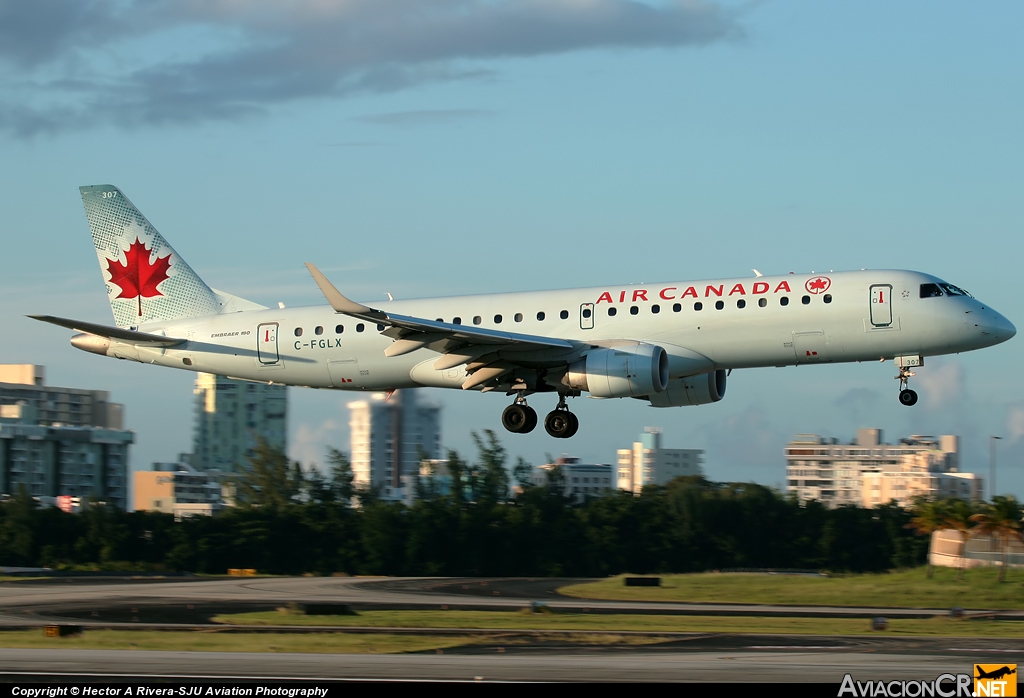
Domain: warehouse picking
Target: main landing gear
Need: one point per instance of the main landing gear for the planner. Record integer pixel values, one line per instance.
(520, 418)
(560, 422)
(907, 396)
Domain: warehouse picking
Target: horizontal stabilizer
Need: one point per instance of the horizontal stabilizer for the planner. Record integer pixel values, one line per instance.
(110, 332)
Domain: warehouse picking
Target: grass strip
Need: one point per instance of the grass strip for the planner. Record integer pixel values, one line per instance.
(902, 588)
(653, 623)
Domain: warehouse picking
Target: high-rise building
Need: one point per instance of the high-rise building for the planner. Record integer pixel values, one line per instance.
(58, 406)
(647, 463)
(391, 436)
(230, 414)
(50, 460)
(581, 480)
(868, 472)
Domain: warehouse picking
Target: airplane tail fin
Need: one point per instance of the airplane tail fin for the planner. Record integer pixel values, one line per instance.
(146, 279)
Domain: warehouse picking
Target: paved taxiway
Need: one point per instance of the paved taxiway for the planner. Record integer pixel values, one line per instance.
(738, 665)
(53, 597)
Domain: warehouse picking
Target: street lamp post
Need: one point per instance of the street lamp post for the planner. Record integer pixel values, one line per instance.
(992, 465)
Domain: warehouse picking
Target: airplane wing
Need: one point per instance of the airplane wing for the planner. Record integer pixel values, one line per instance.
(488, 353)
(110, 332)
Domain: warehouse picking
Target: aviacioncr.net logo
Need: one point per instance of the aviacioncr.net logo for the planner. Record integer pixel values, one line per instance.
(943, 686)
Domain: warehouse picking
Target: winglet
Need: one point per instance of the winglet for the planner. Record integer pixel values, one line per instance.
(336, 299)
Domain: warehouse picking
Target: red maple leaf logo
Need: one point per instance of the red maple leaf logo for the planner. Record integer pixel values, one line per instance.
(139, 277)
(819, 284)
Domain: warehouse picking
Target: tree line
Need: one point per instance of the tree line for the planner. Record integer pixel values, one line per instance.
(291, 520)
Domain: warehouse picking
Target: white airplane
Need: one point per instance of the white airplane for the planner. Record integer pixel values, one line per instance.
(671, 344)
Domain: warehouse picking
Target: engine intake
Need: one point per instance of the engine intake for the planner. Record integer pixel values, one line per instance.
(630, 370)
(702, 389)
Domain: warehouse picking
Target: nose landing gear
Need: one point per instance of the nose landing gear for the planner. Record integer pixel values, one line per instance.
(907, 396)
(560, 422)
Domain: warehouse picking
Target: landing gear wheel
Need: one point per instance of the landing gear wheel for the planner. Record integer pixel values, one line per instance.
(559, 423)
(519, 418)
(574, 426)
(908, 397)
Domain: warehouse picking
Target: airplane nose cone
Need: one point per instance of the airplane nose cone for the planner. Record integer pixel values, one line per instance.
(997, 327)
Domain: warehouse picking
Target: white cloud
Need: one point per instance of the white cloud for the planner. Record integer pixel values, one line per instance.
(943, 384)
(85, 62)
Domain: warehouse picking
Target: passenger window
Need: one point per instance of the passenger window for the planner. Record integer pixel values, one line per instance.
(456, 321)
(540, 315)
(784, 300)
(359, 327)
(611, 312)
(719, 305)
(318, 330)
(806, 300)
(519, 317)
(298, 331)
(676, 307)
(497, 319)
(762, 302)
(741, 303)
(930, 291)
(564, 315)
(827, 298)
(698, 306)
(655, 308)
(633, 310)
(380, 328)
(477, 320)
(338, 329)
(587, 313)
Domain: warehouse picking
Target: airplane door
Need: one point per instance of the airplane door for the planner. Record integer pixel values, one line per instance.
(810, 347)
(881, 305)
(344, 373)
(587, 316)
(266, 344)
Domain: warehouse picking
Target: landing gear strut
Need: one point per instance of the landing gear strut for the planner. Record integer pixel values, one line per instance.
(907, 396)
(560, 422)
(519, 418)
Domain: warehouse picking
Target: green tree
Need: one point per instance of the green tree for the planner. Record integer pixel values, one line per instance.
(957, 516)
(270, 480)
(341, 476)
(929, 516)
(522, 472)
(1001, 520)
(491, 476)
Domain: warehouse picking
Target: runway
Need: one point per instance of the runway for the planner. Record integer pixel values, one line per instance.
(660, 666)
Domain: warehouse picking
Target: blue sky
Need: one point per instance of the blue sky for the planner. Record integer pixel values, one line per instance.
(433, 147)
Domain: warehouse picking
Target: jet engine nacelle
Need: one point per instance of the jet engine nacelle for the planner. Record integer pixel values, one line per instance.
(701, 389)
(630, 370)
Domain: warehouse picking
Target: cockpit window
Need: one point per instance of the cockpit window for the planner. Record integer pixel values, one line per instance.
(954, 291)
(930, 290)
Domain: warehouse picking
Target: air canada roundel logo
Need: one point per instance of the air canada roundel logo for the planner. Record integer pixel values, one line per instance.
(819, 284)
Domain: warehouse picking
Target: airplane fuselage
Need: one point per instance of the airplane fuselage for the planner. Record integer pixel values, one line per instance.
(702, 325)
